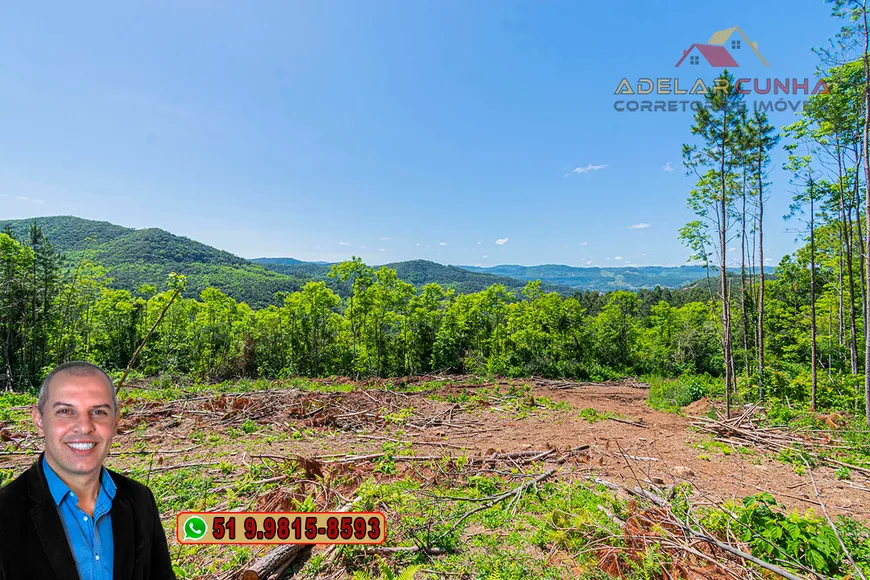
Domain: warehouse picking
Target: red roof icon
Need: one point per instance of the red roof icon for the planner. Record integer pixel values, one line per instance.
(717, 56)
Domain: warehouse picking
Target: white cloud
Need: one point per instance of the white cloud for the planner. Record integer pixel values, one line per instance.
(385, 239)
(732, 249)
(442, 243)
(485, 257)
(2, 195)
(343, 244)
(583, 243)
(589, 167)
(383, 250)
(637, 226)
(606, 258)
(418, 243)
(588, 262)
(478, 243)
(362, 247)
(668, 167)
(618, 258)
(501, 241)
(25, 198)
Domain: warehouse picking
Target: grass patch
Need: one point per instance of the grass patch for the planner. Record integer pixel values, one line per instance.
(519, 401)
(713, 445)
(504, 541)
(671, 395)
(8, 402)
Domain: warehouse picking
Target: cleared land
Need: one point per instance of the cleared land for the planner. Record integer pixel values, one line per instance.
(533, 455)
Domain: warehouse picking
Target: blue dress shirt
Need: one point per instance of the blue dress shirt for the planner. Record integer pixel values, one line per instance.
(93, 546)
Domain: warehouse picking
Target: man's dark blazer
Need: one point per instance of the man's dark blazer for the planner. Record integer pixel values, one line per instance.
(33, 542)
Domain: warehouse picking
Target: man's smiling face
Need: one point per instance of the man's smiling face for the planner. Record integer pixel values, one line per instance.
(78, 422)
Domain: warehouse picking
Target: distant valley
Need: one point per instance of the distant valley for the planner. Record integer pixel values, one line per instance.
(133, 257)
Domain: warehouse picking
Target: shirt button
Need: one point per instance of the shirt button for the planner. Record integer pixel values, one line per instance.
(98, 556)
(86, 518)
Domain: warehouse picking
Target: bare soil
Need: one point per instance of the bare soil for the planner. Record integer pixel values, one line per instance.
(336, 432)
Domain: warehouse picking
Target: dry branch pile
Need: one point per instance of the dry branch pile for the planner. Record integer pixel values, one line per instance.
(741, 431)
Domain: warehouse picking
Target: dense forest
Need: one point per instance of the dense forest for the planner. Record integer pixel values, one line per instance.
(384, 327)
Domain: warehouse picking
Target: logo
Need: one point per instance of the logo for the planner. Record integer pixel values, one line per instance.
(727, 48)
(194, 528)
(686, 90)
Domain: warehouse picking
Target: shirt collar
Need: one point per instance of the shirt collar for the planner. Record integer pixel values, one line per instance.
(59, 489)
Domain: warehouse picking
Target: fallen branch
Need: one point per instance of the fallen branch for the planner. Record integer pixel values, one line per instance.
(633, 458)
(517, 491)
(155, 451)
(183, 465)
(405, 549)
(695, 534)
(273, 560)
(748, 557)
(282, 556)
(627, 422)
(831, 523)
(179, 286)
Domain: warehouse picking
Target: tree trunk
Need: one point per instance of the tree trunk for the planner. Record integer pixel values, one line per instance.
(743, 279)
(867, 208)
(860, 244)
(760, 276)
(723, 275)
(856, 193)
(812, 297)
(145, 340)
(840, 318)
(847, 236)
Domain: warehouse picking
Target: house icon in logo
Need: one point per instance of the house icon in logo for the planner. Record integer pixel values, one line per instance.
(726, 48)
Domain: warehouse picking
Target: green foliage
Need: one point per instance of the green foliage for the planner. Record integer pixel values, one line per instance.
(601, 279)
(672, 394)
(789, 537)
(99, 309)
(592, 415)
(388, 574)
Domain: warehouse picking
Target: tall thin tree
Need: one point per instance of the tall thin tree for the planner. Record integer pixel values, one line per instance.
(762, 138)
(720, 124)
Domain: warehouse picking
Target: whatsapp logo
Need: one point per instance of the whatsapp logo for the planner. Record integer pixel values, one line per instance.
(194, 528)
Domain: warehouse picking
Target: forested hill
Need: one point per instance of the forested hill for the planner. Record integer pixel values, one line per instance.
(422, 272)
(134, 257)
(603, 279)
(416, 272)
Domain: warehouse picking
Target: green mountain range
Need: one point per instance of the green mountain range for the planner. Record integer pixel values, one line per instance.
(604, 279)
(133, 257)
(416, 272)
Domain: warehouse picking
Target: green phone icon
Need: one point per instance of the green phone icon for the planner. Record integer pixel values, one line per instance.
(194, 528)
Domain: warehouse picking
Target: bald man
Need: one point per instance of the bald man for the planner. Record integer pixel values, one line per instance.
(68, 517)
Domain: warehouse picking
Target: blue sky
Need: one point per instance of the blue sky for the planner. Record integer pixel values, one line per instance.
(446, 130)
